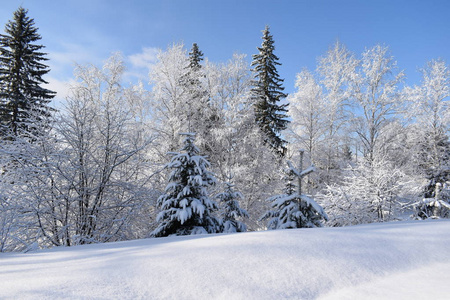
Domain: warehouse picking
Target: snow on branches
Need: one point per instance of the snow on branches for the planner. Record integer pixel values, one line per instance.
(185, 206)
(294, 209)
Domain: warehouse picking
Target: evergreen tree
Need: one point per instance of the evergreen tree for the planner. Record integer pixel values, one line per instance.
(202, 117)
(267, 93)
(21, 71)
(195, 57)
(294, 209)
(186, 207)
(195, 93)
(231, 210)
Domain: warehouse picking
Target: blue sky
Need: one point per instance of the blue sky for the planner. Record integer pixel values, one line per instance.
(89, 31)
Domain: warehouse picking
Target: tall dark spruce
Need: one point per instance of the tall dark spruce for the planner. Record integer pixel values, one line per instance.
(23, 100)
(195, 93)
(202, 118)
(267, 93)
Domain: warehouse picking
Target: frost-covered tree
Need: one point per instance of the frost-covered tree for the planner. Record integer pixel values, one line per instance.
(375, 90)
(307, 110)
(168, 105)
(369, 193)
(231, 211)
(185, 205)
(103, 169)
(268, 93)
(21, 76)
(293, 209)
(25, 179)
(320, 114)
(430, 112)
(335, 70)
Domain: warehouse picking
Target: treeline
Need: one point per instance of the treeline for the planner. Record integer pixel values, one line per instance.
(120, 162)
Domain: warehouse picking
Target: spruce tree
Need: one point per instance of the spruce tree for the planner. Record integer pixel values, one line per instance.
(231, 210)
(267, 93)
(195, 57)
(185, 206)
(201, 115)
(194, 91)
(293, 209)
(21, 69)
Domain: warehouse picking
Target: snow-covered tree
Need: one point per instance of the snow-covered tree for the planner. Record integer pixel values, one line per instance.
(202, 115)
(436, 204)
(195, 93)
(374, 88)
(293, 209)
(21, 76)
(307, 110)
(231, 211)
(430, 113)
(268, 93)
(369, 193)
(103, 171)
(335, 71)
(169, 109)
(22, 169)
(185, 205)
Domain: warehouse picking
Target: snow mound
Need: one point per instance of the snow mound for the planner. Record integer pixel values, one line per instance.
(402, 260)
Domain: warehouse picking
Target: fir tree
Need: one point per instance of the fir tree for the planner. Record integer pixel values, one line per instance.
(231, 210)
(185, 206)
(21, 71)
(267, 93)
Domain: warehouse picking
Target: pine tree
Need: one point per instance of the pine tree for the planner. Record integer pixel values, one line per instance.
(186, 207)
(231, 210)
(21, 71)
(294, 209)
(267, 92)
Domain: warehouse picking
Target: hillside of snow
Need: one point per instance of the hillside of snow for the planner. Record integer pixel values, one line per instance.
(401, 260)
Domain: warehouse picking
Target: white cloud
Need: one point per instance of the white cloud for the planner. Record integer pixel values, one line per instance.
(60, 87)
(140, 64)
(146, 59)
(63, 61)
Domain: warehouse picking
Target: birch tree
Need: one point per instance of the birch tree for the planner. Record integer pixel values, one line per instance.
(375, 91)
(335, 69)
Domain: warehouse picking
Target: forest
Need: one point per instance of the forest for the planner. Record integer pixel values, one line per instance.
(215, 147)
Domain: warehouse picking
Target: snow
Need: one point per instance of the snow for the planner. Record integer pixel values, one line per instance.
(399, 260)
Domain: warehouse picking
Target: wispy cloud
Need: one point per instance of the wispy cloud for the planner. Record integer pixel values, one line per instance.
(146, 59)
(141, 63)
(61, 87)
(62, 62)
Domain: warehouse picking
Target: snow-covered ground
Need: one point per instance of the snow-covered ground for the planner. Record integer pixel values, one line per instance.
(402, 260)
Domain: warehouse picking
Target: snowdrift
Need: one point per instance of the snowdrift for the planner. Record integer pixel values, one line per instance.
(402, 260)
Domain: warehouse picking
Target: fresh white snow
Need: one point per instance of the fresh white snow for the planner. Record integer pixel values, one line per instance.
(399, 260)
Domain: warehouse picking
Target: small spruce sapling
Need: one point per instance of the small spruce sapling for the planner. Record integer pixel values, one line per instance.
(185, 206)
(294, 209)
(231, 210)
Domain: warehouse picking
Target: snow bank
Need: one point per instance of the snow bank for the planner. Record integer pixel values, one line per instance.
(403, 260)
